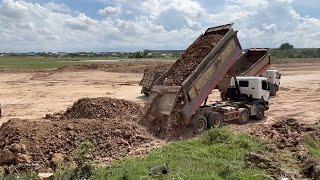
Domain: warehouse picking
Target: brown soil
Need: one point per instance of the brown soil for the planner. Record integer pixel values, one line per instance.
(190, 59)
(120, 67)
(105, 108)
(110, 124)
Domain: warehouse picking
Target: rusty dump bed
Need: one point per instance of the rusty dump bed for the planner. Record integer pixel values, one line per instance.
(253, 62)
(148, 78)
(188, 82)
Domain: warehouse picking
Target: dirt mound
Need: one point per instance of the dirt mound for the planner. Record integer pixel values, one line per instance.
(284, 134)
(119, 67)
(103, 108)
(35, 145)
(286, 138)
(190, 59)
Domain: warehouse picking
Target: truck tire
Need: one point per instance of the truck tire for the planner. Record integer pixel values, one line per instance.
(260, 112)
(244, 116)
(199, 124)
(215, 120)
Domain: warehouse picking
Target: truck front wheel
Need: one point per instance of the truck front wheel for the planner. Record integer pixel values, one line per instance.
(215, 120)
(244, 116)
(199, 124)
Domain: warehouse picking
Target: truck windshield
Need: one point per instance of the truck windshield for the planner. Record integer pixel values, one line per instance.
(265, 85)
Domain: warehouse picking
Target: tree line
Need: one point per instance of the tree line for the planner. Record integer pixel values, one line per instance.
(287, 50)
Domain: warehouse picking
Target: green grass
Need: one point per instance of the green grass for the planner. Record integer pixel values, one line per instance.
(34, 63)
(217, 155)
(294, 60)
(41, 63)
(312, 142)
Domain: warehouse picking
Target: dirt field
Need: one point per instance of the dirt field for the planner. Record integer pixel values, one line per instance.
(299, 96)
(32, 95)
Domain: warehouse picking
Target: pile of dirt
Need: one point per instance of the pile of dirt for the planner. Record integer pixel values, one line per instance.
(103, 108)
(110, 124)
(190, 59)
(282, 138)
(36, 145)
(284, 134)
(119, 67)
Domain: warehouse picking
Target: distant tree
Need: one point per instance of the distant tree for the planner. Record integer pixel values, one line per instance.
(318, 52)
(286, 46)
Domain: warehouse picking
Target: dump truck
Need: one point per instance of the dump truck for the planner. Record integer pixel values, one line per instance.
(253, 62)
(181, 93)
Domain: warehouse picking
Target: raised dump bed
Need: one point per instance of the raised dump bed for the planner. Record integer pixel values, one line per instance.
(253, 62)
(149, 77)
(186, 85)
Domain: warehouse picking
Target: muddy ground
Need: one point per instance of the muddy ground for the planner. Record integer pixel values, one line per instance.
(30, 96)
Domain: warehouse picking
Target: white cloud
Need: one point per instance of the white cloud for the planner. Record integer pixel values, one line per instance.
(109, 11)
(153, 24)
(60, 8)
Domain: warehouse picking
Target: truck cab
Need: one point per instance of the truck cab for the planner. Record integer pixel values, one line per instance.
(273, 77)
(253, 88)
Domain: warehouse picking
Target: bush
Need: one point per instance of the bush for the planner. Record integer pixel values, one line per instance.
(215, 136)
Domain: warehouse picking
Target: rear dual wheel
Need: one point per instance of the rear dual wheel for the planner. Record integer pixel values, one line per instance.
(202, 123)
(215, 120)
(199, 124)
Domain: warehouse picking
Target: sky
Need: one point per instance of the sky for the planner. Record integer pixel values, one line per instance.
(133, 25)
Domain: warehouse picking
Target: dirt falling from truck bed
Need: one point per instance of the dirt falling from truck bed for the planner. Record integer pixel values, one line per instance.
(190, 59)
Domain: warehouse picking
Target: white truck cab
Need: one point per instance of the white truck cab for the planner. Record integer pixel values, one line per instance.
(273, 77)
(253, 87)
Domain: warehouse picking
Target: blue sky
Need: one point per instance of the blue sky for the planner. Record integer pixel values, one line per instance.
(130, 25)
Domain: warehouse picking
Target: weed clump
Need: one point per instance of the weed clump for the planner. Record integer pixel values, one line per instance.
(216, 136)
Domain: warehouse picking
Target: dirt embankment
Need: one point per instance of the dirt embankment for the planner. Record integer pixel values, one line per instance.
(190, 59)
(110, 124)
(286, 149)
(120, 67)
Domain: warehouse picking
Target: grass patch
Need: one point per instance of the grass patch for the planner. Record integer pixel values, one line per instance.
(294, 60)
(35, 63)
(42, 63)
(312, 142)
(313, 146)
(218, 154)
